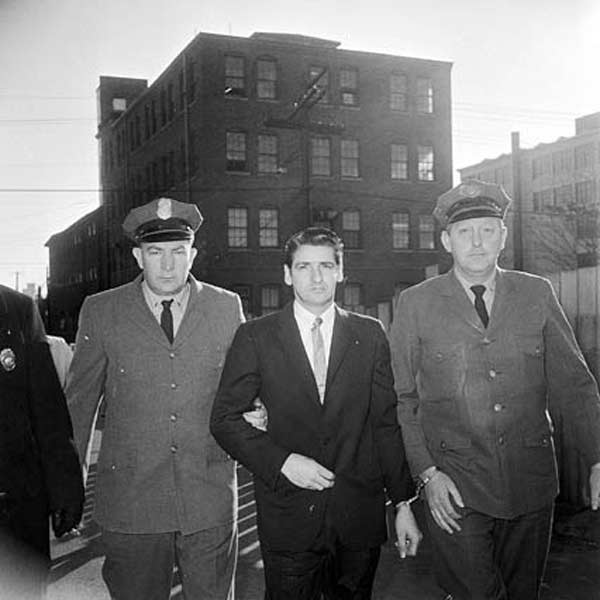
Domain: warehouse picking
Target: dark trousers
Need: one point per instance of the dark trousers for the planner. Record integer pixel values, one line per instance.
(327, 571)
(491, 558)
(140, 565)
(24, 547)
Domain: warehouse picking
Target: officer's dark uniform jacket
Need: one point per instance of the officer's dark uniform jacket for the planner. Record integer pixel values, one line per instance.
(475, 401)
(37, 455)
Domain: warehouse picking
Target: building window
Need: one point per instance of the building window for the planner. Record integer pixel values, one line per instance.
(91, 229)
(349, 158)
(235, 78)
(245, 294)
(561, 162)
(563, 196)
(267, 154)
(424, 95)
(398, 92)
(236, 151)
(349, 87)
(425, 163)
(268, 228)
(400, 230)
(426, 232)
(584, 156)
(320, 156)
(399, 161)
(269, 299)
(237, 227)
(584, 192)
(351, 228)
(353, 297)
(319, 76)
(266, 79)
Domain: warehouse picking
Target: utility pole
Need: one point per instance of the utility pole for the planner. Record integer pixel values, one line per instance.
(17, 273)
(299, 120)
(517, 202)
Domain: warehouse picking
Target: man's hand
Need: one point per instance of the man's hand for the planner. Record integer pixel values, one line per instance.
(408, 532)
(65, 519)
(258, 417)
(440, 492)
(595, 486)
(307, 473)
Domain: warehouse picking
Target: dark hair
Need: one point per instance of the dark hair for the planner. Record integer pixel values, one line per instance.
(313, 236)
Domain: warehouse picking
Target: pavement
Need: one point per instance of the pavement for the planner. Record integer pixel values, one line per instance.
(573, 571)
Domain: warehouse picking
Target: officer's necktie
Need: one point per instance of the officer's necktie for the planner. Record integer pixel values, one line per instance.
(166, 319)
(319, 362)
(479, 290)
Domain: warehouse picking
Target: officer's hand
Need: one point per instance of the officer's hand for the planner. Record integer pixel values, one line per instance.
(595, 486)
(258, 417)
(442, 494)
(407, 531)
(307, 473)
(65, 519)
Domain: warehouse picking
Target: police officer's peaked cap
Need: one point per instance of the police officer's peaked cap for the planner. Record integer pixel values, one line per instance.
(162, 220)
(471, 199)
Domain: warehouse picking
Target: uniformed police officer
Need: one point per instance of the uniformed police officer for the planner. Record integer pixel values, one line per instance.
(39, 470)
(165, 492)
(478, 355)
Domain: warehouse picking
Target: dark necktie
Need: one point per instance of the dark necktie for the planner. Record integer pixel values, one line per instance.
(479, 290)
(166, 319)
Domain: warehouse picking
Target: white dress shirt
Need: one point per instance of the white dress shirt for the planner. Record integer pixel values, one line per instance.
(305, 320)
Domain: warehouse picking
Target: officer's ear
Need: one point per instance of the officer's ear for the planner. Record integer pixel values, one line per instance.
(137, 254)
(445, 237)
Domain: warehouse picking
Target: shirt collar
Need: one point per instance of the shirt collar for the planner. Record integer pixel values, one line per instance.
(489, 283)
(155, 300)
(306, 318)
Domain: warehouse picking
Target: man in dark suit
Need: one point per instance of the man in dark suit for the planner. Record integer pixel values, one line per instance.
(333, 446)
(39, 470)
(481, 355)
(166, 494)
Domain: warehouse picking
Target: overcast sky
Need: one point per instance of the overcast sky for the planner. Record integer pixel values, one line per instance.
(519, 65)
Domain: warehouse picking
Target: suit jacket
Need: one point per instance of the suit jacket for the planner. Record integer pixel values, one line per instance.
(354, 433)
(475, 401)
(158, 469)
(37, 455)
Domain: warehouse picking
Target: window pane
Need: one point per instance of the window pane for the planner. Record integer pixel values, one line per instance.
(425, 163)
(320, 156)
(268, 228)
(348, 87)
(349, 158)
(426, 232)
(400, 230)
(398, 92)
(399, 161)
(353, 296)
(237, 227)
(351, 228)
(322, 83)
(266, 78)
(235, 84)
(269, 299)
(267, 154)
(236, 151)
(424, 95)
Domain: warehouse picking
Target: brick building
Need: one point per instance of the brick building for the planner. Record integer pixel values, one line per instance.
(559, 185)
(270, 133)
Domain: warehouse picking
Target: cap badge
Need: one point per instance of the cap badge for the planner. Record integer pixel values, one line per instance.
(469, 190)
(8, 360)
(164, 210)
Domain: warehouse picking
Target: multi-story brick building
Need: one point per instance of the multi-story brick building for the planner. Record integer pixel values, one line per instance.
(270, 133)
(559, 185)
(75, 272)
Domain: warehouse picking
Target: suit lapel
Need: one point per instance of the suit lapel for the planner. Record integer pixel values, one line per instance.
(138, 312)
(291, 341)
(458, 302)
(503, 303)
(342, 338)
(195, 313)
